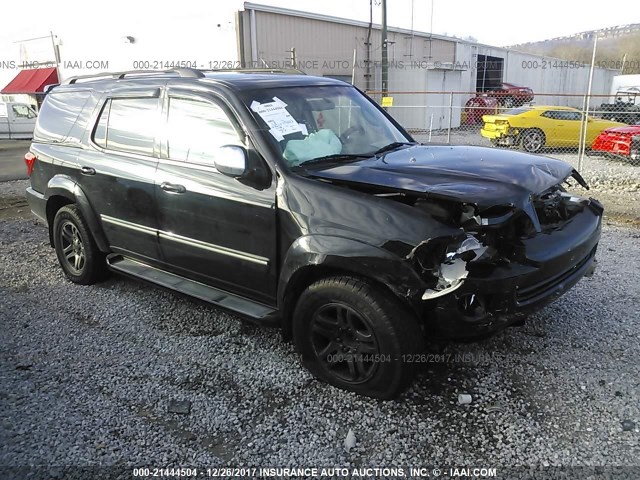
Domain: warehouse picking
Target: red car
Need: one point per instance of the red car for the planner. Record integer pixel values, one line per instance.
(620, 142)
(476, 107)
(510, 95)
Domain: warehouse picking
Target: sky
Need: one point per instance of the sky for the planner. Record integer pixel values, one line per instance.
(498, 23)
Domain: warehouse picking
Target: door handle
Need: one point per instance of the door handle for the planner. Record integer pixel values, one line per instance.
(88, 171)
(172, 188)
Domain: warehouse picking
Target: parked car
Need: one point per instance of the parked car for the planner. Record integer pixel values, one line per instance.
(296, 200)
(477, 107)
(510, 95)
(537, 127)
(618, 142)
(17, 120)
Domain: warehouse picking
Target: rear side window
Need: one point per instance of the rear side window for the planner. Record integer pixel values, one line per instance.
(58, 115)
(127, 125)
(550, 114)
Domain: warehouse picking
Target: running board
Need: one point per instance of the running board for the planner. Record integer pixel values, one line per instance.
(254, 310)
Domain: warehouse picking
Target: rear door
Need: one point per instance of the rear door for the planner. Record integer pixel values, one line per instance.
(117, 171)
(212, 228)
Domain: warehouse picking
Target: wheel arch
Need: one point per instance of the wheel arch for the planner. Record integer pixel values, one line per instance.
(312, 258)
(63, 190)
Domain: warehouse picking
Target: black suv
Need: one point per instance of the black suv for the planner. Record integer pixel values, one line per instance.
(296, 199)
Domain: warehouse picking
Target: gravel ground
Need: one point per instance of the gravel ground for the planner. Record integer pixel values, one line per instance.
(87, 375)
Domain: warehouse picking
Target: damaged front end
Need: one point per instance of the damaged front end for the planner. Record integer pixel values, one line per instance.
(515, 241)
(506, 262)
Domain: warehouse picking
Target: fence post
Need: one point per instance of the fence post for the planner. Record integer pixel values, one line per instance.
(450, 115)
(583, 140)
(430, 127)
(583, 127)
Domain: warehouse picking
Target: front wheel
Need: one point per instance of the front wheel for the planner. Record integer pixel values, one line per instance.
(79, 257)
(533, 141)
(356, 336)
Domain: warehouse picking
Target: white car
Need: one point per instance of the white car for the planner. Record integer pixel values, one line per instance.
(17, 121)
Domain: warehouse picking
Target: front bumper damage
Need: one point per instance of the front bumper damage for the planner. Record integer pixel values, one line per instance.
(474, 299)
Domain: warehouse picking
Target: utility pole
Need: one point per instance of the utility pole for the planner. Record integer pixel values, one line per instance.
(385, 55)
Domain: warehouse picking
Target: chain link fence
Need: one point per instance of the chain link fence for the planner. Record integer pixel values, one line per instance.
(599, 125)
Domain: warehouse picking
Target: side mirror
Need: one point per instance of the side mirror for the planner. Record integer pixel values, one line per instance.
(231, 160)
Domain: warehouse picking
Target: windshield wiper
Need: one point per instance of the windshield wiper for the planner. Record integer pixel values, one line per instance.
(393, 146)
(333, 158)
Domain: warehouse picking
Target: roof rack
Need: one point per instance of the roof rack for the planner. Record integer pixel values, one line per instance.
(180, 72)
(290, 71)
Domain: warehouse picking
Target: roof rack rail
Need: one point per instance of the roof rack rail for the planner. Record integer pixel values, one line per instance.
(290, 71)
(181, 72)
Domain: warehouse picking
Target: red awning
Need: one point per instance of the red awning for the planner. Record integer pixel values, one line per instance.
(32, 81)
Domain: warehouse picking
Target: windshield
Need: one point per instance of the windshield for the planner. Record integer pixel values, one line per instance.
(312, 123)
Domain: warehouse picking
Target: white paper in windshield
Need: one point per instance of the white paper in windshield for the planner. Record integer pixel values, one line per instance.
(278, 118)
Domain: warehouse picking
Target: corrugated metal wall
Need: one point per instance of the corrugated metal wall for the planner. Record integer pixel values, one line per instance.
(326, 47)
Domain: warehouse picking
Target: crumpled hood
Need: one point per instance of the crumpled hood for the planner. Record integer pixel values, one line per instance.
(477, 175)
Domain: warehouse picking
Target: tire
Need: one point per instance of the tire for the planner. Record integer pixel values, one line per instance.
(533, 140)
(81, 260)
(356, 337)
(508, 102)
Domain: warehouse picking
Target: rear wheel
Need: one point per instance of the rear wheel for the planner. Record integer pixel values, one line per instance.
(533, 140)
(356, 336)
(79, 257)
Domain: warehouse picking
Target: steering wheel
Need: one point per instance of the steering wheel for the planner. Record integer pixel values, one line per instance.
(346, 135)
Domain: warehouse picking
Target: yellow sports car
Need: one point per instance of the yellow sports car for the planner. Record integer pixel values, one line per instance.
(541, 126)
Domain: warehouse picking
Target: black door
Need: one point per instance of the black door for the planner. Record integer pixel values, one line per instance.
(117, 172)
(212, 227)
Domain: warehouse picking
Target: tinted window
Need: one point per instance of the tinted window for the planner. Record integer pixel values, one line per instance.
(196, 129)
(58, 114)
(131, 124)
(562, 115)
(570, 116)
(550, 114)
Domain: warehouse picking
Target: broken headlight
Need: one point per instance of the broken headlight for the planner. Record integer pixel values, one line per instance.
(452, 270)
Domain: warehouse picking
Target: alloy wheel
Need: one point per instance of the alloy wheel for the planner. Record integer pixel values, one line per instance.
(72, 247)
(532, 141)
(344, 343)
